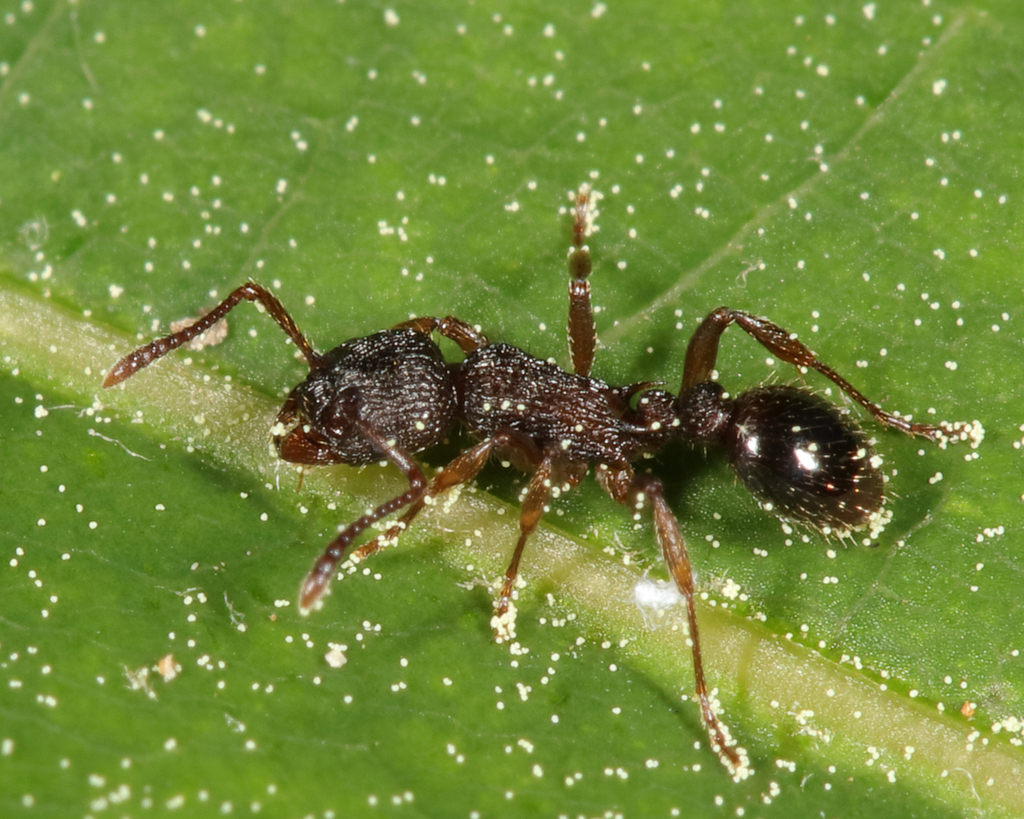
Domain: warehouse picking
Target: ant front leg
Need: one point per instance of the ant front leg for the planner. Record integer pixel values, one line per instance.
(147, 354)
(466, 336)
(319, 577)
(702, 353)
(464, 469)
(637, 490)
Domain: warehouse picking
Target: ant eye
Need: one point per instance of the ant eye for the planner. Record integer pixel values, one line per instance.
(802, 459)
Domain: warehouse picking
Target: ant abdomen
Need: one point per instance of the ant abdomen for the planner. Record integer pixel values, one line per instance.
(803, 459)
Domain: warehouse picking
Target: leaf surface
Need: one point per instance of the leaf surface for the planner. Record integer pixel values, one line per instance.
(849, 173)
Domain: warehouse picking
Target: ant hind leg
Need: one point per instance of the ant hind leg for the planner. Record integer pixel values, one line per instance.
(636, 490)
(702, 353)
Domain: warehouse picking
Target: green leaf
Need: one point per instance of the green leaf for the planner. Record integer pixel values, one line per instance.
(849, 172)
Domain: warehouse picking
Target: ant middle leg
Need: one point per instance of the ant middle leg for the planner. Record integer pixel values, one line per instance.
(552, 476)
(148, 353)
(702, 353)
(531, 508)
(582, 331)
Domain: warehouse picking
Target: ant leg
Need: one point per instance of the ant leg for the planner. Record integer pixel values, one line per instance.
(630, 489)
(319, 577)
(147, 354)
(461, 470)
(532, 507)
(581, 329)
(703, 351)
(468, 338)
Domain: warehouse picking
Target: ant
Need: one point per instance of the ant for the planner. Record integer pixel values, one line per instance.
(389, 395)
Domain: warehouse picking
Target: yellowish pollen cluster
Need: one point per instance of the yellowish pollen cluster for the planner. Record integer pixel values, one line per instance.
(955, 432)
(504, 624)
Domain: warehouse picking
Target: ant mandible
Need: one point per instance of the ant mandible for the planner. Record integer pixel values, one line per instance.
(389, 395)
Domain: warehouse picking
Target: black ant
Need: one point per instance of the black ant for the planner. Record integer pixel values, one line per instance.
(391, 394)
